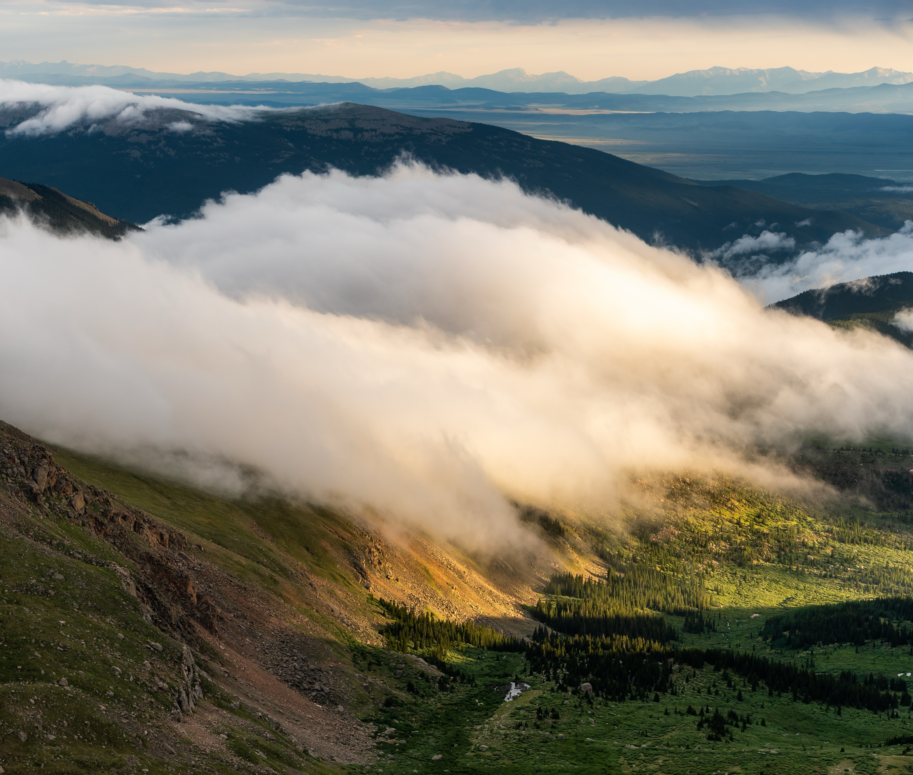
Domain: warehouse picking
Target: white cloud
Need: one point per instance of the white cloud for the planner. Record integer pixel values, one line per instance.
(898, 189)
(425, 346)
(765, 242)
(904, 320)
(846, 256)
(61, 107)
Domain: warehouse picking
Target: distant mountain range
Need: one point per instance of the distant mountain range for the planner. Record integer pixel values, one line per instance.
(715, 81)
(142, 170)
(884, 98)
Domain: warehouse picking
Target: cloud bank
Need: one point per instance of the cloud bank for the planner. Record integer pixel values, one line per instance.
(424, 346)
(62, 107)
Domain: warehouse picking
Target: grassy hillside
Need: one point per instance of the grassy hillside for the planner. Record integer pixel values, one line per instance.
(317, 644)
(758, 557)
(140, 172)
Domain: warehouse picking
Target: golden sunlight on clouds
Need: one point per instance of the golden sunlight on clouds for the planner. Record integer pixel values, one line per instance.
(589, 49)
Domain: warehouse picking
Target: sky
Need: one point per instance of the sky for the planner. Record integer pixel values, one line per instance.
(590, 39)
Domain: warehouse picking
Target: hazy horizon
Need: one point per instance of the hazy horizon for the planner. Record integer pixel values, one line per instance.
(361, 40)
(380, 75)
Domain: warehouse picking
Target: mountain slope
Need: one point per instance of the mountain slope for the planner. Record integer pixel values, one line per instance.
(201, 634)
(153, 625)
(876, 200)
(885, 293)
(869, 303)
(59, 212)
(144, 171)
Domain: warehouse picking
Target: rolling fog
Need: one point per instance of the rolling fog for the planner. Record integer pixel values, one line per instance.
(423, 346)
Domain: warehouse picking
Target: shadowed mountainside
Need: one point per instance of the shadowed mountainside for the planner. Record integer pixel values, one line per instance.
(877, 200)
(59, 212)
(142, 171)
(872, 303)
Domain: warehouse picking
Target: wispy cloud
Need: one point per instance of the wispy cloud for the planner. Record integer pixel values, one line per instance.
(846, 256)
(766, 242)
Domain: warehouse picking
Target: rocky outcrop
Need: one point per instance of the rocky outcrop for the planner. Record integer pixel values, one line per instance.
(190, 689)
(166, 589)
(233, 639)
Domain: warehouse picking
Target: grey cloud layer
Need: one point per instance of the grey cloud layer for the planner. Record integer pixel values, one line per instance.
(540, 10)
(424, 346)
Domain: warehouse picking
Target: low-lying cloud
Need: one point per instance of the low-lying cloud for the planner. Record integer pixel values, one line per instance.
(62, 107)
(425, 346)
(766, 242)
(904, 320)
(846, 256)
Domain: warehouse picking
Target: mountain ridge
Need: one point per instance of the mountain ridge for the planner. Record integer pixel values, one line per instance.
(870, 303)
(168, 172)
(712, 81)
(58, 211)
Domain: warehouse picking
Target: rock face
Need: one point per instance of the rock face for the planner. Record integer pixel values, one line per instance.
(191, 689)
(267, 649)
(167, 591)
